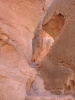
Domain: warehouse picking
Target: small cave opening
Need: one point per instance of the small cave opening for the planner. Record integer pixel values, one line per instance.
(54, 25)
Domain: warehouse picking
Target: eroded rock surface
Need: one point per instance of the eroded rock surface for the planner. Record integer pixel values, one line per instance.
(59, 63)
(22, 21)
(41, 46)
(14, 73)
(17, 26)
(54, 25)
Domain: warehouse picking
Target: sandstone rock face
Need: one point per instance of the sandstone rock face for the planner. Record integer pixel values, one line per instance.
(17, 26)
(25, 29)
(54, 74)
(41, 45)
(10, 56)
(54, 26)
(14, 73)
(60, 63)
(49, 98)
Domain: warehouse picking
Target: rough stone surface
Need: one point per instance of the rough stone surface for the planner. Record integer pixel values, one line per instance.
(49, 98)
(17, 26)
(54, 26)
(41, 46)
(60, 62)
(22, 21)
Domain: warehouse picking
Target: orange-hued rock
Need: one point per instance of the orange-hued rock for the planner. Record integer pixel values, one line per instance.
(10, 56)
(41, 46)
(25, 29)
(18, 21)
(13, 82)
(49, 97)
(15, 73)
(54, 26)
(60, 61)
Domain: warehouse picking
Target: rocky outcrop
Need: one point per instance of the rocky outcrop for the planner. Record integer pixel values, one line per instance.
(59, 63)
(25, 29)
(18, 21)
(41, 46)
(14, 72)
(54, 25)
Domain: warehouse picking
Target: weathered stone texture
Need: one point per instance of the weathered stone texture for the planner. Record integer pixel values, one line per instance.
(60, 62)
